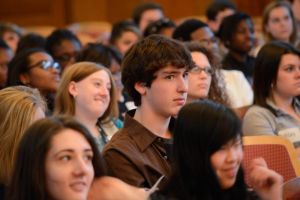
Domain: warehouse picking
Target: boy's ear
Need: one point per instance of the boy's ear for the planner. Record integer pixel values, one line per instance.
(140, 87)
(72, 88)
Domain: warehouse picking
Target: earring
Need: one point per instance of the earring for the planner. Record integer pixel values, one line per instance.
(25, 83)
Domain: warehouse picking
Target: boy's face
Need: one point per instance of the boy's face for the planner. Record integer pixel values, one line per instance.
(168, 91)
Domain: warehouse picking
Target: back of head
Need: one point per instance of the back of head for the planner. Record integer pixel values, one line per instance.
(31, 40)
(9, 27)
(183, 31)
(148, 56)
(216, 7)
(140, 9)
(157, 26)
(229, 26)
(266, 68)
(56, 37)
(99, 53)
(29, 180)
(19, 105)
(201, 129)
(65, 102)
(123, 26)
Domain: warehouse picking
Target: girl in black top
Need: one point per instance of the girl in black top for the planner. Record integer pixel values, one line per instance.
(207, 156)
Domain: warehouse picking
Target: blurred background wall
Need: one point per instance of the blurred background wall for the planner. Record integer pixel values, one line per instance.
(63, 12)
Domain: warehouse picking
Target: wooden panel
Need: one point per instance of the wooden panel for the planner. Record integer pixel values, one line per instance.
(87, 10)
(33, 12)
(253, 8)
(63, 12)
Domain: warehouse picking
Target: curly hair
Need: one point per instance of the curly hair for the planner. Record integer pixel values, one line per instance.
(217, 87)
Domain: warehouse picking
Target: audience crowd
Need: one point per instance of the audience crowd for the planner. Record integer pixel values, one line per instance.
(159, 111)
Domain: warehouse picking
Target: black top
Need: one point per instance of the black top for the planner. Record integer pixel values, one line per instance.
(231, 63)
(251, 195)
(2, 191)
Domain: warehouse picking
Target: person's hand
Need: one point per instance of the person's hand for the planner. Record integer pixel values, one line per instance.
(266, 182)
(109, 188)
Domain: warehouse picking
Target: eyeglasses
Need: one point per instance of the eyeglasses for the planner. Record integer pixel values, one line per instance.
(212, 40)
(46, 65)
(198, 70)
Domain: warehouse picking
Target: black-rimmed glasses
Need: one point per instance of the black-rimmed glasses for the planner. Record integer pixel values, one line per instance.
(46, 65)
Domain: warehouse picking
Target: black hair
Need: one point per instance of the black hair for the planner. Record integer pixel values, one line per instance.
(183, 31)
(266, 68)
(28, 179)
(56, 37)
(123, 26)
(218, 6)
(140, 9)
(3, 44)
(19, 65)
(99, 53)
(229, 26)
(157, 26)
(201, 129)
(149, 55)
(31, 40)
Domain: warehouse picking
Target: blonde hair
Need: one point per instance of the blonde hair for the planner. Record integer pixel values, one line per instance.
(64, 101)
(265, 19)
(18, 108)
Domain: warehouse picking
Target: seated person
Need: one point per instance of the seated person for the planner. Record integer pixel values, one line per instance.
(146, 13)
(237, 88)
(35, 68)
(87, 92)
(123, 35)
(205, 80)
(20, 107)
(276, 87)
(216, 12)
(154, 72)
(208, 153)
(59, 159)
(63, 46)
(163, 26)
(237, 34)
(111, 59)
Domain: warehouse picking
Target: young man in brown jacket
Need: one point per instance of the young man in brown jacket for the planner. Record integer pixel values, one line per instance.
(154, 73)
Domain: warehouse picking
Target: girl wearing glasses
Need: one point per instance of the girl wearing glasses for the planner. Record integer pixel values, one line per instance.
(35, 68)
(87, 91)
(204, 80)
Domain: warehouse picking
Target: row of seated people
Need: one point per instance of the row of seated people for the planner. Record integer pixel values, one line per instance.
(142, 151)
(154, 65)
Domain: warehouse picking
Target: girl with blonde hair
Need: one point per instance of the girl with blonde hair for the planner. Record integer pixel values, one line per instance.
(20, 107)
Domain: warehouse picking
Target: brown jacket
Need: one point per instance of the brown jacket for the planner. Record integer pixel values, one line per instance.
(137, 156)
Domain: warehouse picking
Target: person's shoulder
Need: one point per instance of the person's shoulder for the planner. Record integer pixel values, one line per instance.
(257, 110)
(121, 141)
